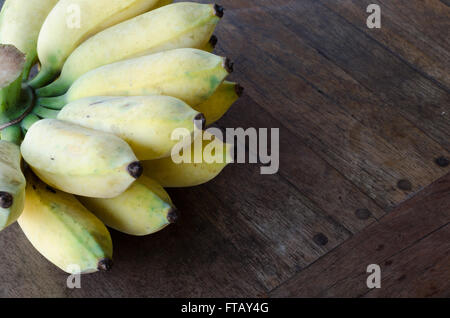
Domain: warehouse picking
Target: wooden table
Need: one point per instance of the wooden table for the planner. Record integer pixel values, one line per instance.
(364, 118)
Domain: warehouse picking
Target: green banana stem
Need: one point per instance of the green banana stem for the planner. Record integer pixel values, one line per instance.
(45, 112)
(43, 77)
(52, 102)
(28, 121)
(12, 134)
(56, 88)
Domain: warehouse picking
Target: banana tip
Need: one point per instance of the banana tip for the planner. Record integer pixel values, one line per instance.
(239, 90)
(200, 121)
(219, 10)
(228, 65)
(172, 216)
(6, 200)
(105, 265)
(213, 41)
(135, 169)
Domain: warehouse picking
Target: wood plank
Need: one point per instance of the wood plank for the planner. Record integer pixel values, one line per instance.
(373, 148)
(410, 28)
(265, 210)
(307, 172)
(396, 83)
(412, 241)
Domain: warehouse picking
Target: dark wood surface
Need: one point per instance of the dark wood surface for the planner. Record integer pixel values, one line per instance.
(358, 110)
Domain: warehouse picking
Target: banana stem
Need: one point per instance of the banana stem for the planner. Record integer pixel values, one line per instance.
(45, 112)
(12, 134)
(43, 77)
(52, 102)
(28, 121)
(57, 88)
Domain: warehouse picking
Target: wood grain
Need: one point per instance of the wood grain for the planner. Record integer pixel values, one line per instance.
(411, 244)
(363, 118)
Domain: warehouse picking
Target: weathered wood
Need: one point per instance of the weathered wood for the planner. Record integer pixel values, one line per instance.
(407, 244)
(355, 132)
(411, 29)
(363, 118)
(396, 83)
(307, 172)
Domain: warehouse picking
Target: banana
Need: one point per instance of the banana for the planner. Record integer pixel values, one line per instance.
(20, 23)
(191, 75)
(71, 22)
(180, 25)
(220, 102)
(143, 209)
(188, 174)
(79, 160)
(144, 122)
(63, 230)
(12, 184)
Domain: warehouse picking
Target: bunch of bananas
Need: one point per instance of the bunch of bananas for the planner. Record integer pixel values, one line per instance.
(94, 126)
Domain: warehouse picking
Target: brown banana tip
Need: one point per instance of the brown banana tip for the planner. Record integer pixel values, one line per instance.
(219, 10)
(239, 90)
(6, 200)
(213, 41)
(172, 216)
(200, 121)
(228, 65)
(135, 169)
(105, 265)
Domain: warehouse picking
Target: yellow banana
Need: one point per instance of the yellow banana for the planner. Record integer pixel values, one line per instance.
(143, 209)
(188, 174)
(220, 102)
(79, 160)
(12, 184)
(71, 22)
(20, 23)
(191, 75)
(146, 123)
(180, 25)
(63, 231)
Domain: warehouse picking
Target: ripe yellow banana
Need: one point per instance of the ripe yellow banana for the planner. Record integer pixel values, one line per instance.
(191, 75)
(71, 22)
(79, 160)
(63, 231)
(20, 23)
(180, 25)
(146, 123)
(172, 175)
(220, 102)
(12, 184)
(143, 209)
